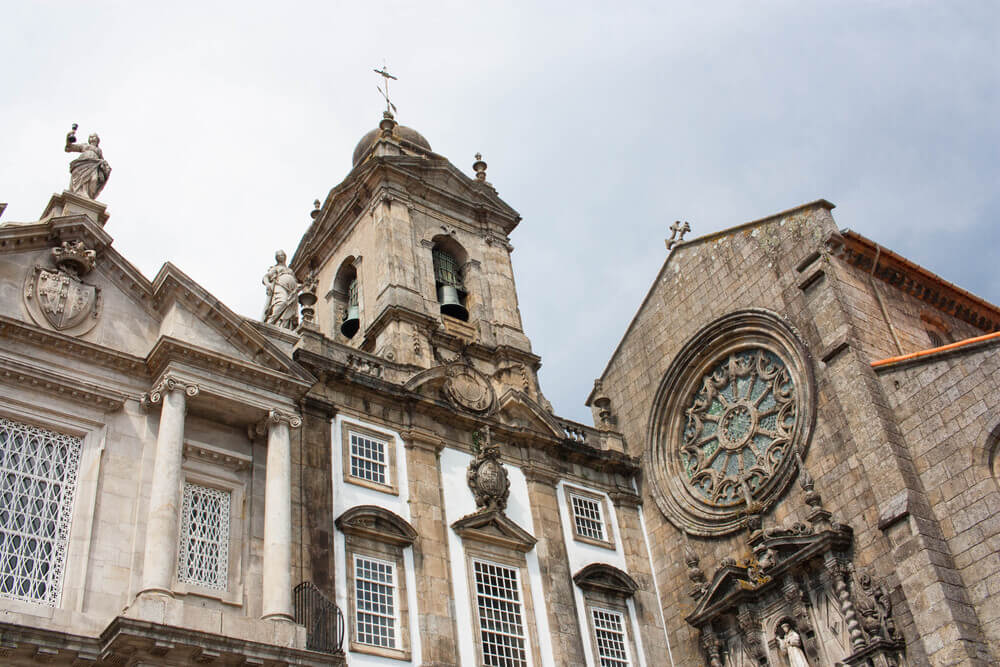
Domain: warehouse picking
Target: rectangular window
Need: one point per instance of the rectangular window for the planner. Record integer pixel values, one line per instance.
(375, 602)
(588, 519)
(203, 557)
(498, 599)
(368, 458)
(38, 470)
(609, 635)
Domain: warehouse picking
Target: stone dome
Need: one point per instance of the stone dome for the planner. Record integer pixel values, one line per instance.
(401, 131)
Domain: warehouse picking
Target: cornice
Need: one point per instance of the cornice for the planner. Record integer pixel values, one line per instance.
(61, 385)
(899, 272)
(72, 347)
(168, 349)
(196, 451)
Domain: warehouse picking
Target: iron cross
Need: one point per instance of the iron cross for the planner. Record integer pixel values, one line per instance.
(384, 73)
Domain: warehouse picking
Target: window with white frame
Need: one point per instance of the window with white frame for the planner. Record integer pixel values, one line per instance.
(501, 625)
(589, 517)
(368, 458)
(38, 471)
(609, 637)
(203, 557)
(375, 602)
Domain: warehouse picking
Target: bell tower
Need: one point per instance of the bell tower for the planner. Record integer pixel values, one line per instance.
(412, 260)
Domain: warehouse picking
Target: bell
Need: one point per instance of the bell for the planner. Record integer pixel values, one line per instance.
(351, 323)
(451, 304)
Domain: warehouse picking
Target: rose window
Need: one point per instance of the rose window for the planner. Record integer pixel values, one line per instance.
(738, 426)
(734, 412)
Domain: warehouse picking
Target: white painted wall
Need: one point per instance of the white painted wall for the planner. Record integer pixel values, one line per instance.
(459, 502)
(346, 496)
(580, 554)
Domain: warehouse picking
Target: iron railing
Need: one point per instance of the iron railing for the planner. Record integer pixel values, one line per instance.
(323, 620)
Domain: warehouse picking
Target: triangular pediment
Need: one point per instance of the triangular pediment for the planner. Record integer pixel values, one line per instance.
(494, 527)
(517, 409)
(170, 317)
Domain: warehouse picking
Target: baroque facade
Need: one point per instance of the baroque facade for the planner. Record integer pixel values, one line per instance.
(793, 460)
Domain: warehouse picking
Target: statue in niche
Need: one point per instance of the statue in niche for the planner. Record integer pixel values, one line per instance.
(282, 290)
(791, 644)
(90, 172)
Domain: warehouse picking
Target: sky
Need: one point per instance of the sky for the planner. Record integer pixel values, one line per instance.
(602, 123)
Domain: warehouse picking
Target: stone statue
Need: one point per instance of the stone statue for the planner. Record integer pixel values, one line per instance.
(282, 292)
(89, 173)
(791, 644)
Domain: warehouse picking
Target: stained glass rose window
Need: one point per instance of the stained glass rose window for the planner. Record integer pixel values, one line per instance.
(734, 407)
(737, 426)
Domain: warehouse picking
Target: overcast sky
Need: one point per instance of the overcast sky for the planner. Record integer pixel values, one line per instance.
(601, 126)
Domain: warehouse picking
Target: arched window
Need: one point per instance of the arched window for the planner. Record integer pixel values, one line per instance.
(347, 304)
(449, 283)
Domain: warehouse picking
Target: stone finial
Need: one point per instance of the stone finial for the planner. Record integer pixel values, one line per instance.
(307, 300)
(677, 228)
(699, 584)
(90, 172)
(479, 167)
(316, 209)
(818, 516)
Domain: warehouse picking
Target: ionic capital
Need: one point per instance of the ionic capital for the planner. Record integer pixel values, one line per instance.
(275, 417)
(167, 384)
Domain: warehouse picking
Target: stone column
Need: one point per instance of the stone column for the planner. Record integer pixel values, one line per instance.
(277, 575)
(163, 522)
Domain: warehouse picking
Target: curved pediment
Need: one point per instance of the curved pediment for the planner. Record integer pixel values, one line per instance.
(605, 578)
(377, 523)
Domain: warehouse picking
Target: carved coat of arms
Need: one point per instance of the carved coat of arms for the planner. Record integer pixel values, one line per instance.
(487, 477)
(467, 389)
(58, 296)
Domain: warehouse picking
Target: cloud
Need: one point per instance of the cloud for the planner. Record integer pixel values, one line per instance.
(600, 124)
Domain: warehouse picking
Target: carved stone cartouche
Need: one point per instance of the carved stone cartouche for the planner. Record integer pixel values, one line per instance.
(487, 476)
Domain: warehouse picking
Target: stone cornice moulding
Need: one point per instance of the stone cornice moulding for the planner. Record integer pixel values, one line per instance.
(419, 438)
(198, 451)
(168, 350)
(494, 527)
(61, 385)
(606, 578)
(72, 346)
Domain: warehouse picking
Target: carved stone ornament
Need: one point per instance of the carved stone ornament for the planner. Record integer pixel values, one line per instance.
(167, 384)
(58, 298)
(799, 585)
(467, 389)
(487, 477)
(733, 412)
(274, 417)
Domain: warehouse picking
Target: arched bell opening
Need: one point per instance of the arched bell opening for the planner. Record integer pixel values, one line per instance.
(449, 280)
(347, 303)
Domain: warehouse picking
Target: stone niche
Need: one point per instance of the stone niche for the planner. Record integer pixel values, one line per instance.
(795, 600)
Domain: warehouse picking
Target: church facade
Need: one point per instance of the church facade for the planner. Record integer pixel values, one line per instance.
(793, 458)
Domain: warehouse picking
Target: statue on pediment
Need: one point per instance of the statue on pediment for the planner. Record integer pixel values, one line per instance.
(282, 292)
(90, 172)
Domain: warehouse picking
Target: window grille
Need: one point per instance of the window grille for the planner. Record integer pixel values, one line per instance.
(203, 557)
(609, 633)
(374, 602)
(368, 458)
(446, 269)
(587, 517)
(38, 471)
(498, 599)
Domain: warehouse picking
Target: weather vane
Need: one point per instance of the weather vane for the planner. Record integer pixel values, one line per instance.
(384, 73)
